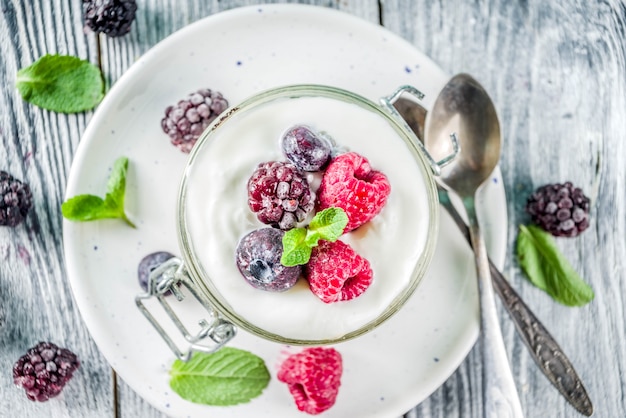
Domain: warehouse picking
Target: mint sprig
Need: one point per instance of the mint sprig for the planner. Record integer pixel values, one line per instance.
(547, 268)
(61, 83)
(326, 225)
(87, 207)
(229, 376)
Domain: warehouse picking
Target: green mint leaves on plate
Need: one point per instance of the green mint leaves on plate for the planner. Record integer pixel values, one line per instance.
(87, 207)
(229, 376)
(61, 83)
(298, 242)
(548, 269)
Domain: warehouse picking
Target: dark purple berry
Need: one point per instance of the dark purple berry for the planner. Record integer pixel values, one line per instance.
(185, 122)
(279, 194)
(258, 259)
(560, 209)
(111, 17)
(44, 370)
(308, 151)
(148, 264)
(16, 200)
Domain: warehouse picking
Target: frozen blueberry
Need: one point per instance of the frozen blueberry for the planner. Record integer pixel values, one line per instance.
(258, 259)
(148, 264)
(308, 151)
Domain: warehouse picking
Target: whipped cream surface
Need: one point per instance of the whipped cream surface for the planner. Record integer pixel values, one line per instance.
(217, 214)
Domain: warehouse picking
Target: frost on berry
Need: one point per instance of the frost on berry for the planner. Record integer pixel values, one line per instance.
(148, 264)
(16, 200)
(560, 209)
(305, 149)
(335, 272)
(313, 378)
(279, 194)
(44, 370)
(351, 184)
(258, 259)
(111, 17)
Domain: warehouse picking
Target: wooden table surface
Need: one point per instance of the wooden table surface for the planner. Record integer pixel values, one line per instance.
(556, 71)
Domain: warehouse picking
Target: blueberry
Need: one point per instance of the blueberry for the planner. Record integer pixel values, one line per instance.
(149, 263)
(307, 150)
(258, 259)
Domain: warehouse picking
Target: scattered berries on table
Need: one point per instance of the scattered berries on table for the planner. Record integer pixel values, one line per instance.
(111, 17)
(560, 209)
(335, 272)
(313, 377)
(185, 121)
(16, 200)
(308, 151)
(351, 184)
(148, 264)
(258, 259)
(44, 370)
(279, 194)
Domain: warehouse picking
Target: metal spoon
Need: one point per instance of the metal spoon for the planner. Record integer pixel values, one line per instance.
(542, 346)
(464, 108)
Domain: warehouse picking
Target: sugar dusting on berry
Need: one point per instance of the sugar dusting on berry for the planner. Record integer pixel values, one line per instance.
(560, 209)
(313, 378)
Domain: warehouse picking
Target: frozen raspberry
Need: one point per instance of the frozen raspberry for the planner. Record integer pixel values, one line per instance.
(44, 370)
(148, 264)
(350, 183)
(560, 209)
(335, 272)
(313, 377)
(111, 17)
(308, 151)
(279, 194)
(185, 121)
(16, 200)
(258, 259)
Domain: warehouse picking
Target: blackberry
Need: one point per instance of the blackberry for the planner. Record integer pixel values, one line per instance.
(560, 209)
(185, 121)
(16, 200)
(258, 259)
(111, 17)
(308, 151)
(149, 263)
(44, 370)
(279, 194)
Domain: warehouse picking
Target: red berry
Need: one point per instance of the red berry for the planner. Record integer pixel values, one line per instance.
(350, 183)
(336, 272)
(313, 377)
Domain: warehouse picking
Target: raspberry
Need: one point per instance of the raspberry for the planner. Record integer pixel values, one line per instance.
(560, 209)
(336, 272)
(111, 17)
(279, 194)
(308, 151)
(258, 259)
(185, 122)
(16, 200)
(313, 377)
(350, 183)
(44, 370)
(149, 263)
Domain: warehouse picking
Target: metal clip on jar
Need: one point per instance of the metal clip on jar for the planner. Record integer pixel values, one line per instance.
(235, 140)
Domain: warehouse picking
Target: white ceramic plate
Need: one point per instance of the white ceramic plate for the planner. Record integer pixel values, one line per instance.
(239, 53)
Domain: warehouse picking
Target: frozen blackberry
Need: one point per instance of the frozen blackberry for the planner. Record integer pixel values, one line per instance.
(279, 194)
(111, 17)
(44, 370)
(148, 264)
(16, 200)
(185, 121)
(308, 151)
(560, 209)
(258, 259)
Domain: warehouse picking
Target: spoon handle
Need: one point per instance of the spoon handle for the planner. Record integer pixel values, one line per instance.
(542, 347)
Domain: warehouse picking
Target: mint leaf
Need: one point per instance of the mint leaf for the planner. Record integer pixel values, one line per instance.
(229, 376)
(61, 83)
(298, 242)
(548, 269)
(87, 207)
